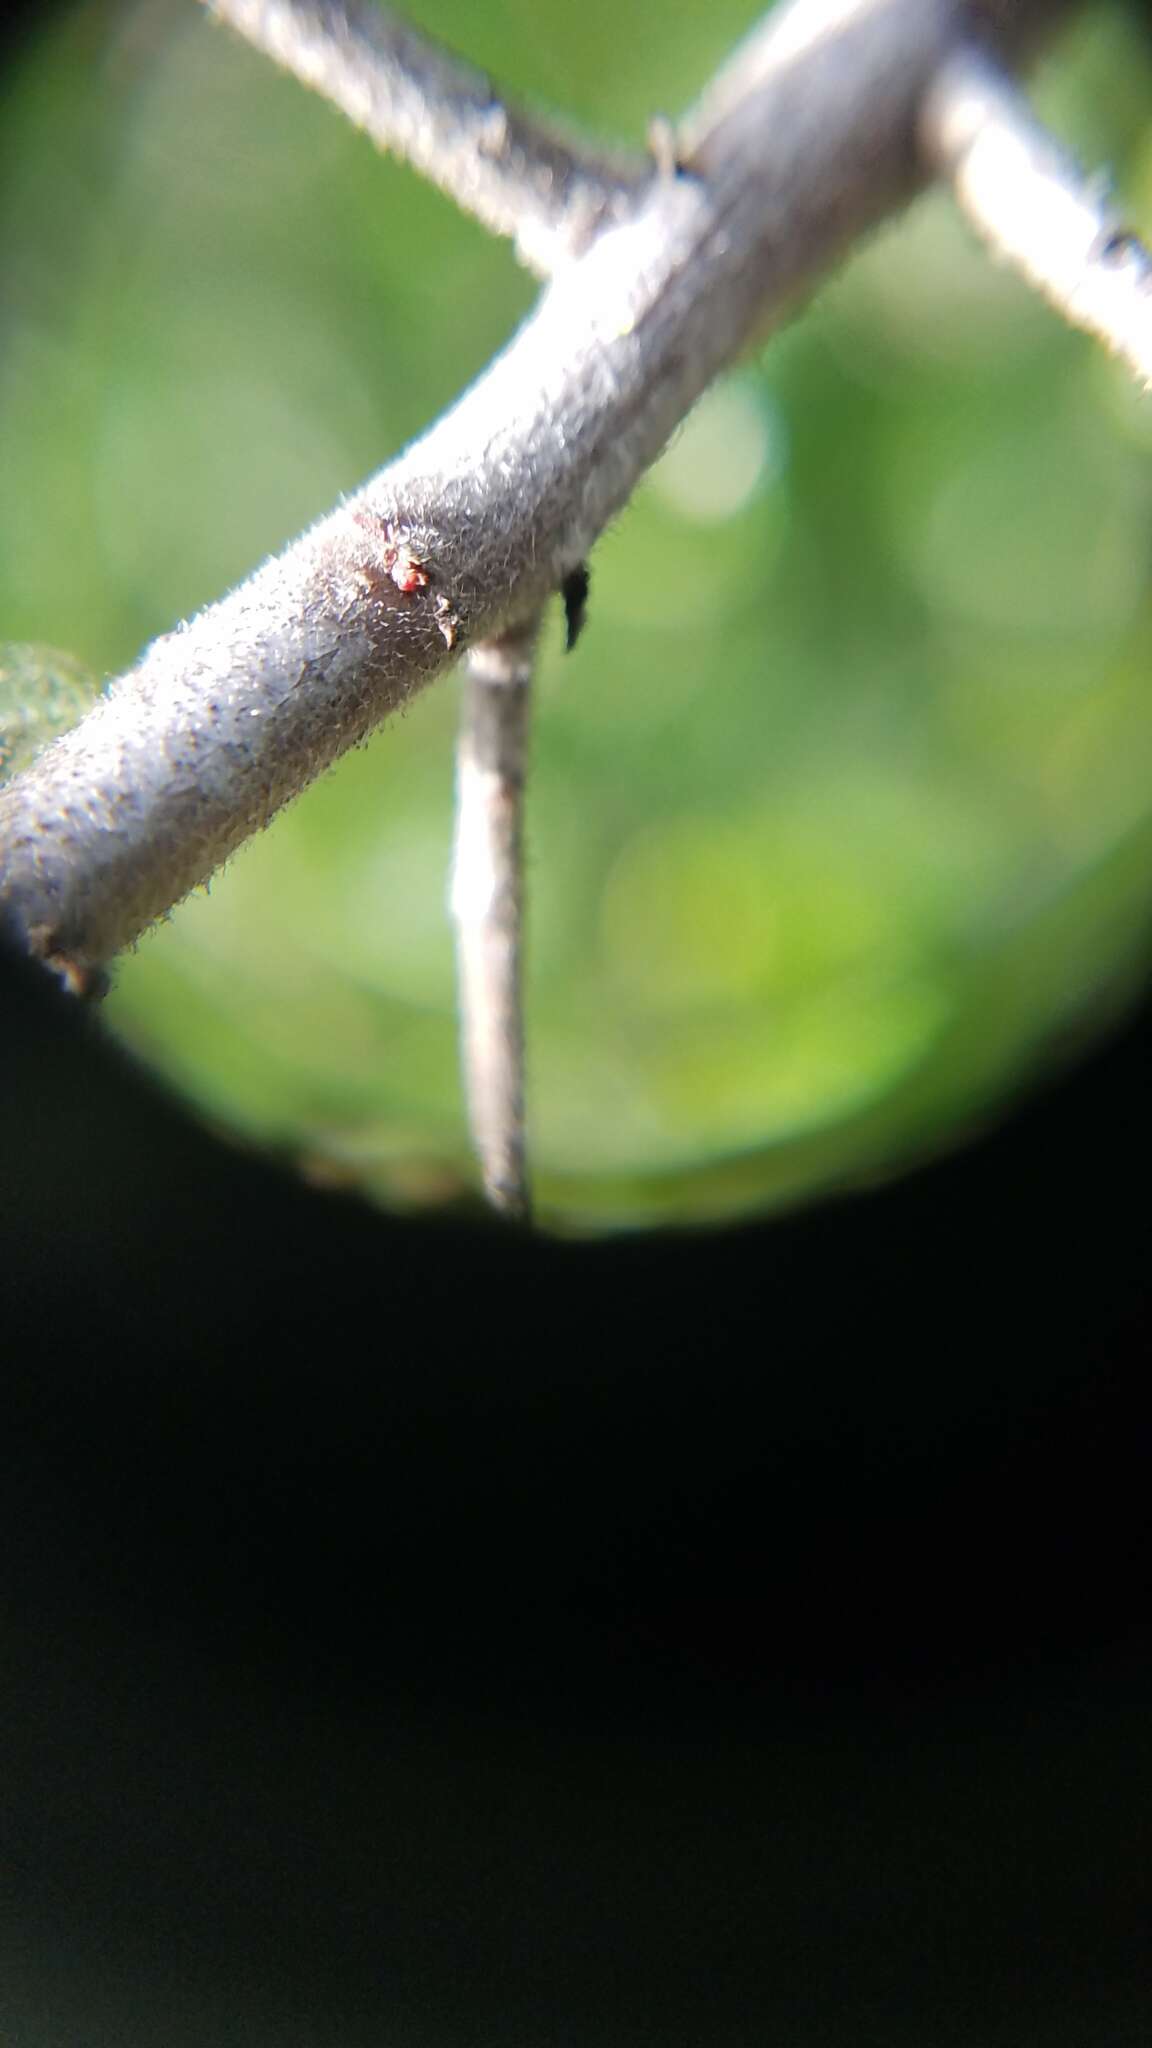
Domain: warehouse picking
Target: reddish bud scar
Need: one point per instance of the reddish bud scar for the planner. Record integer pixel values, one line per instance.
(406, 571)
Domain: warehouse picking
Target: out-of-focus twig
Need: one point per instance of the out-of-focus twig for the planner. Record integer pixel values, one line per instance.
(519, 174)
(1036, 209)
(488, 905)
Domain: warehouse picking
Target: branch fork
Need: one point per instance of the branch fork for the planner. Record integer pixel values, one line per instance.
(662, 268)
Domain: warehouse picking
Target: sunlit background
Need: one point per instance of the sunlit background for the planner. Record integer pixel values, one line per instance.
(840, 817)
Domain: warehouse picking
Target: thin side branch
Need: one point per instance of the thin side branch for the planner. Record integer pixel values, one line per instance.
(234, 713)
(488, 906)
(520, 175)
(1031, 203)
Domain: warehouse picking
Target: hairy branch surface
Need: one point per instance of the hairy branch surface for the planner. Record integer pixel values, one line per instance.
(809, 139)
(1036, 209)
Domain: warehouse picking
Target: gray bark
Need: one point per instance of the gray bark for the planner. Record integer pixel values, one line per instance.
(808, 139)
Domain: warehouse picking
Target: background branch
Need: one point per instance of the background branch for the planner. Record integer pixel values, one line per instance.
(1034, 207)
(520, 175)
(488, 906)
(811, 141)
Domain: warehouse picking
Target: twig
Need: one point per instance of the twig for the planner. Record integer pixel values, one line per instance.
(488, 905)
(230, 716)
(1035, 208)
(520, 175)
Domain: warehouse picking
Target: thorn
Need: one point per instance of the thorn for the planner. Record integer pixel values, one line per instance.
(574, 591)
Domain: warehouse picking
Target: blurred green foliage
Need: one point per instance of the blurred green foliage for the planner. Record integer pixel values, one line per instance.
(42, 692)
(841, 817)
